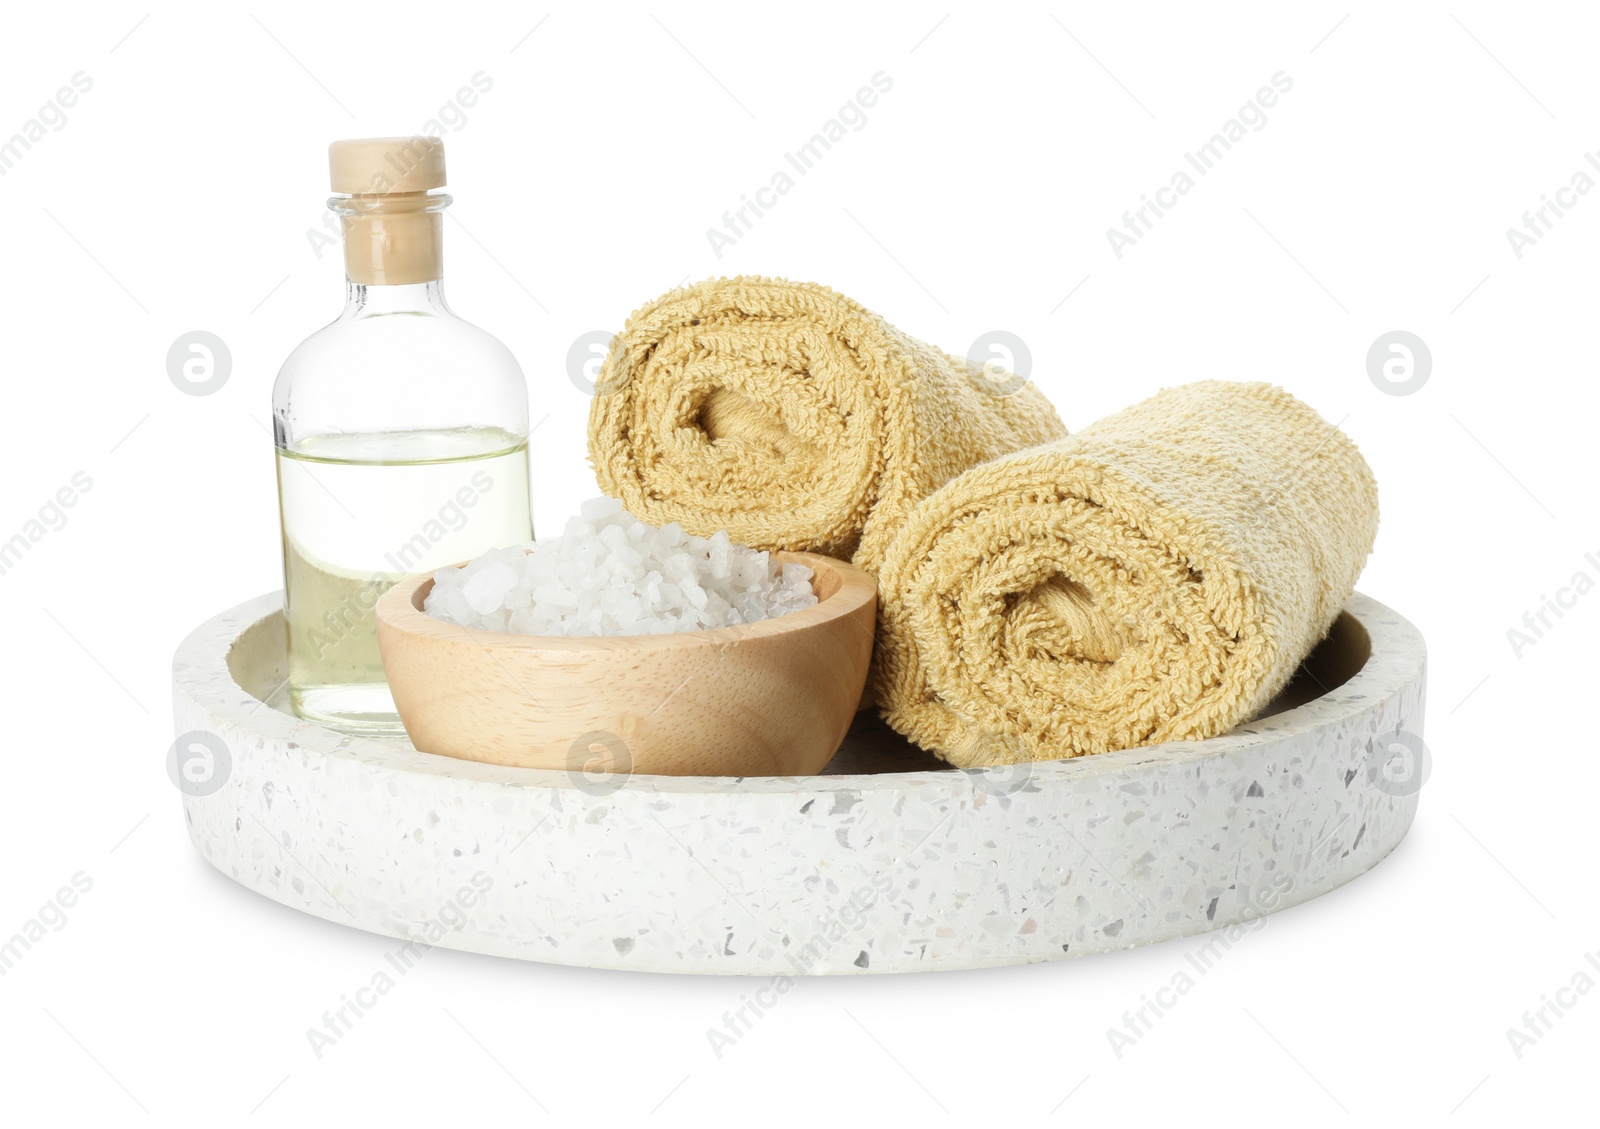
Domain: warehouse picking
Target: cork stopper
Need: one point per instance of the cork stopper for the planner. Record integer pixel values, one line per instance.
(393, 228)
(381, 165)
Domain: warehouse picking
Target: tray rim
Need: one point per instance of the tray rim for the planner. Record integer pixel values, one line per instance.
(1397, 658)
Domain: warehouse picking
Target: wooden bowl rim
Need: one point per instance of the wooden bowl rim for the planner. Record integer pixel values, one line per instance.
(398, 609)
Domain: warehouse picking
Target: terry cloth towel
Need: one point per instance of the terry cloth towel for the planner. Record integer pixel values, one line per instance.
(1159, 575)
(792, 417)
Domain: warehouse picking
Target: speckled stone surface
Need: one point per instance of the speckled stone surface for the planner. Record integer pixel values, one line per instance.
(871, 870)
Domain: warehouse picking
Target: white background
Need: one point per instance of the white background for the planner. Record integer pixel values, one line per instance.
(178, 196)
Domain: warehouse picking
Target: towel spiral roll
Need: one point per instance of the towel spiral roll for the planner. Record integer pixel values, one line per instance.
(1159, 575)
(792, 417)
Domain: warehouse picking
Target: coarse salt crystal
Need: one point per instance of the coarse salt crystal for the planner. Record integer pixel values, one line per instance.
(611, 574)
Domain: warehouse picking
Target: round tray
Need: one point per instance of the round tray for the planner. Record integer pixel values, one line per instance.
(889, 861)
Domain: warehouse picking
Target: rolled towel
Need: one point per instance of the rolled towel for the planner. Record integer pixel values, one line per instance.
(1159, 575)
(792, 417)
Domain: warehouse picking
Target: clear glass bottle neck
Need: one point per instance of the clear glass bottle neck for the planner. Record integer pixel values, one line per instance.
(425, 298)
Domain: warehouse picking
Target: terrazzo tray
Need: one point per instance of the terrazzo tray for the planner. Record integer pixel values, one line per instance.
(888, 862)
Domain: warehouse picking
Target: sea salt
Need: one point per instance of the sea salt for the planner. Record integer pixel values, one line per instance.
(611, 574)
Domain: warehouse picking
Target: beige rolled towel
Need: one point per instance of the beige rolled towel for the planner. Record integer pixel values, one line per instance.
(1159, 575)
(792, 417)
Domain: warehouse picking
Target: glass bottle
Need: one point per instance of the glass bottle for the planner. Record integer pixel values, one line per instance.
(401, 433)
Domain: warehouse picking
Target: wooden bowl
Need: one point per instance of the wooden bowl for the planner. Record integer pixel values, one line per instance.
(772, 698)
